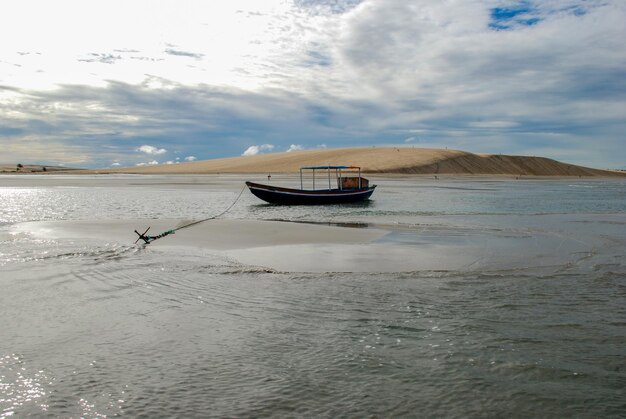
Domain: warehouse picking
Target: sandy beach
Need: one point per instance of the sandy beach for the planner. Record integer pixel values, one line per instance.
(389, 160)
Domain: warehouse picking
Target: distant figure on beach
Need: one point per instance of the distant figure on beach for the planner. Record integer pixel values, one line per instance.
(269, 176)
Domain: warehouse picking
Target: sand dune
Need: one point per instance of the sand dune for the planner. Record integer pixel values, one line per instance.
(402, 160)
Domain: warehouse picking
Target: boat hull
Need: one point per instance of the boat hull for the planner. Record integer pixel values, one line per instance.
(289, 196)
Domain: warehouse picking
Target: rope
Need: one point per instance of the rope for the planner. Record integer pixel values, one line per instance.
(215, 216)
(150, 239)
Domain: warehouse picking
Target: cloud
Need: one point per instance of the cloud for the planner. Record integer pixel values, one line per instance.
(295, 147)
(171, 51)
(486, 76)
(150, 163)
(298, 147)
(190, 158)
(148, 149)
(100, 58)
(253, 150)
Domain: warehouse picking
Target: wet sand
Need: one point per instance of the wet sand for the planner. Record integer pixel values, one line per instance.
(384, 243)
(307, 247)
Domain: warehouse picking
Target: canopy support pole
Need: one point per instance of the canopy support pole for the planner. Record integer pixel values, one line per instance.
(329, 178)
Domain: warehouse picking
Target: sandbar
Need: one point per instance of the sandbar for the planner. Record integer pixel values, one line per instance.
(307, 247)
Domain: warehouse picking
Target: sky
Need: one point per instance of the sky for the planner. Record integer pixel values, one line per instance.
(124, 83)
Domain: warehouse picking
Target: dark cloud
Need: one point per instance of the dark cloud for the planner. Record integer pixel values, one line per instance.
(10, 88)
(140, 58)
(180, 53)
(100, 58)
(203, 121)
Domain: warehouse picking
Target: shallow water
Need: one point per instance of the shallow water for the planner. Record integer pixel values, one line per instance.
(533, 325)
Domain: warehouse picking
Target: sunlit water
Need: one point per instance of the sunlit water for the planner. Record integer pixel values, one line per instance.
(95, 329)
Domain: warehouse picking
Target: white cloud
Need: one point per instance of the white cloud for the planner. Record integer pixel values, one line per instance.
(115, 164)
(295, 147)
(166, 41)
(151, 150)
(253, 150)
(299, 147)
(150, 163)
(190, 158)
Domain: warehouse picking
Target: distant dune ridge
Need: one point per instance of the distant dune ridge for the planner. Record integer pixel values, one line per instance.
(391, 160)
(32, 168)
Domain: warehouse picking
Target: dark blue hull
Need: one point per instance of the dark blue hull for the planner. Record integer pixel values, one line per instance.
(288, 196)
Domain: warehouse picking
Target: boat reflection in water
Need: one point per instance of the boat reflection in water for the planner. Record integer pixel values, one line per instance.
(349, 188)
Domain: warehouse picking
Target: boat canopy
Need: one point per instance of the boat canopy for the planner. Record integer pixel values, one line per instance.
(329, 167)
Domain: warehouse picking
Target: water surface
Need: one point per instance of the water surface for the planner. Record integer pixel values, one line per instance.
(535, 326)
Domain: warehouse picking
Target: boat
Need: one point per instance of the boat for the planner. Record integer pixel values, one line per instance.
(349, 188)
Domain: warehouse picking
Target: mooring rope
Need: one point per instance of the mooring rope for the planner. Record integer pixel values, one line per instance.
(149, 239)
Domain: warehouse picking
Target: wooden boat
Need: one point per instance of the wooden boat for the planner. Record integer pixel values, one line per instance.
(349, 189)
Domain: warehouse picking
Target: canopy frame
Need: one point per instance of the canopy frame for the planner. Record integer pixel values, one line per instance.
(328, 168)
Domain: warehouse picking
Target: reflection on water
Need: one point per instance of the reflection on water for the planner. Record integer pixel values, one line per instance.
(346, 224)
(19, 386)
(93, 329)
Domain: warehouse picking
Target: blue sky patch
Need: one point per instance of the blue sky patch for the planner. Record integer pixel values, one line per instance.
(318, 58)
(503, 18)
(335, 6)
